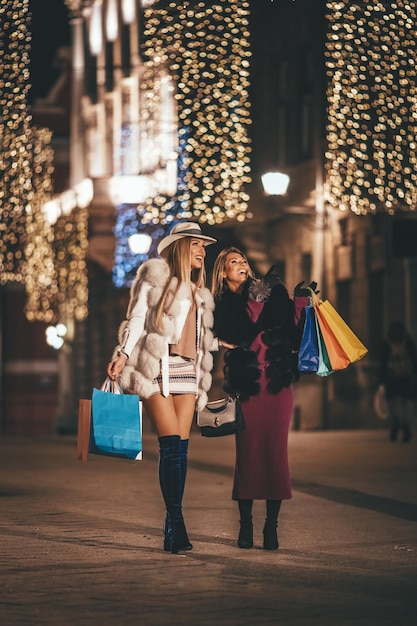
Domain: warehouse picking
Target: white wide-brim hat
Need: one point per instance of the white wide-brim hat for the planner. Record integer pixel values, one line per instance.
(184, 229)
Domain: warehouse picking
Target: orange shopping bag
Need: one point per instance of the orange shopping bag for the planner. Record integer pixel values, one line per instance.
(351, 345)
(343, 346)
(337, 356)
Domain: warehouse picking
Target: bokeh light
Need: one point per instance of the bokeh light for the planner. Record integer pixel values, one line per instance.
(371, 61)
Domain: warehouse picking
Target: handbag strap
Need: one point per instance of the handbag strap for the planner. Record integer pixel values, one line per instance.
(231, 399)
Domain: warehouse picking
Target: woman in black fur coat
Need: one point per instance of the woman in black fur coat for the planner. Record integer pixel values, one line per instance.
(262, 322)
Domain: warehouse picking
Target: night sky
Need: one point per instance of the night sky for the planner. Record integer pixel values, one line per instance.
(50, 29)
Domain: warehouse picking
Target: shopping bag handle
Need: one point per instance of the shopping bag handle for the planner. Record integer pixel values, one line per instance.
(314, 299)
(111, 386)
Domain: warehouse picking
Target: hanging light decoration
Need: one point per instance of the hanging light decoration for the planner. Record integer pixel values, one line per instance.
(15, 138)
(206, 47)
(41, 272)
(49, 258)
(371, 62)
(70, 250)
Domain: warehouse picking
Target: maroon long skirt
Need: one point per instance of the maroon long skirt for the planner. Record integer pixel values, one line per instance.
(261, 469)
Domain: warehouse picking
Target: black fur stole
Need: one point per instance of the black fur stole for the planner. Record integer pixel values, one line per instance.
(276, 323)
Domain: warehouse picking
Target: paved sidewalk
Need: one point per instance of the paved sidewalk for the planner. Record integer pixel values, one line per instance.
(81, 542)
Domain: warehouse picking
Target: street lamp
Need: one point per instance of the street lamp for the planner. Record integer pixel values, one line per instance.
(275, 183)
(140, 243)
(55, 336)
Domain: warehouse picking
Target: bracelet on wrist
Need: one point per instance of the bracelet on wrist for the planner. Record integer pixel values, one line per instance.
(122, 352)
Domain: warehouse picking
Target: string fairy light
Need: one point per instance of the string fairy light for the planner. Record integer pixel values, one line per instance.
(15, 137)
(206, 47)
(40, 277)
(371, 63)
(50, 260)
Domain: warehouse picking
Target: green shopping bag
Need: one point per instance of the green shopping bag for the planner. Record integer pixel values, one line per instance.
(324, 368)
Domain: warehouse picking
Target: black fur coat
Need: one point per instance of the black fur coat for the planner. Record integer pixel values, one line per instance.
(279, 333)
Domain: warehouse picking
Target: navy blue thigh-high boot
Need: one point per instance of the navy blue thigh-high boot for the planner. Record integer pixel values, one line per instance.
(183, 463)
(170, 478)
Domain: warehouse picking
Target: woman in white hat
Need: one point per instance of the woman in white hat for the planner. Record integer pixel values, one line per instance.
(164, 357)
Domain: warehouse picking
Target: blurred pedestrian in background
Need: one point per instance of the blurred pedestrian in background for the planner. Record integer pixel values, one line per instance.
(397, 374)
(259, 319)
(164, 357)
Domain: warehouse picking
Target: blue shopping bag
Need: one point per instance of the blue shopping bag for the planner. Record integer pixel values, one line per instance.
(116, 422)
(308, 354)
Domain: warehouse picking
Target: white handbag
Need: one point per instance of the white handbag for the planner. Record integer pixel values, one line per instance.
(221, 417)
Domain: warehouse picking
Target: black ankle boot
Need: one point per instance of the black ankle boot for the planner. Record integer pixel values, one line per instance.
(271, 523)
(270, 535)
(245, 539)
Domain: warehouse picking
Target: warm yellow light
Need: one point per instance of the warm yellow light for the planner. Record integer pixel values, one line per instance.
(371, 63)
(140, 243)
(275, 183)
(207, 49)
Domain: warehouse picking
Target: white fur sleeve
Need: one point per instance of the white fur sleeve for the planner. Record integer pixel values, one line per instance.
(136, 320)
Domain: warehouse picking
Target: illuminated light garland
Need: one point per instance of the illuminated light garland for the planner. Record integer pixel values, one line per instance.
(206, 46)
(50, 261)
(15, 138)
(40, 283)
(70, 253)
(56, 279)
(371, 62)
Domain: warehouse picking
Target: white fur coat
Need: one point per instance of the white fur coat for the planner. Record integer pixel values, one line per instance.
(144, 362)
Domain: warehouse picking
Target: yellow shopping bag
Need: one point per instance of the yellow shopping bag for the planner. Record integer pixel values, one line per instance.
(350, 343)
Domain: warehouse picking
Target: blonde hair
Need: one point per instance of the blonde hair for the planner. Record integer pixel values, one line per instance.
(178, 257)
(217, 279)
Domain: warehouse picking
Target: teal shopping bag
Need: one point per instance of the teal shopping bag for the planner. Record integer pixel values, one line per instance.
(325, 367)
(116, 422)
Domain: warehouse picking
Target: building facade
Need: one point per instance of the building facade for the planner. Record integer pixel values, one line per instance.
(126, 122)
